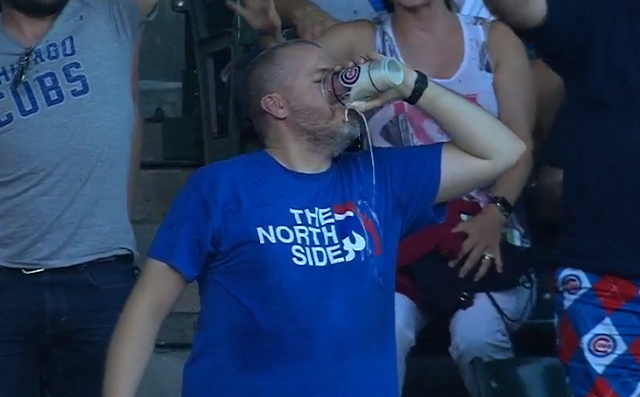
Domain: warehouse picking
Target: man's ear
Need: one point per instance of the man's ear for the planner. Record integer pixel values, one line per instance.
(274, 105)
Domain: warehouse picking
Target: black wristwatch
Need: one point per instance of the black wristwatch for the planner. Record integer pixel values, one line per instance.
(502, 204)
(421, 84)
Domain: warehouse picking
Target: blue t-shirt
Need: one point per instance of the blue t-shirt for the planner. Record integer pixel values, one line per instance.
(593, 45)
(296, 271)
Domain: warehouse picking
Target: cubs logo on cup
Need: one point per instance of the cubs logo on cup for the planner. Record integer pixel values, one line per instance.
(571, 284)
(348, 77)
(602, 345)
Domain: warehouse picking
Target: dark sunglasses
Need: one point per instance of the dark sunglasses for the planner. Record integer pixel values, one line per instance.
(22, 67)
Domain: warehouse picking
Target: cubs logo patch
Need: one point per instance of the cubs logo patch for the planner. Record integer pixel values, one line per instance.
(602, 345)
(349, 77)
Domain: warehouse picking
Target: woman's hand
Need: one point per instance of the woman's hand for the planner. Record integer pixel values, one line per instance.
(261, 15)
(484, 233)
(312, 21)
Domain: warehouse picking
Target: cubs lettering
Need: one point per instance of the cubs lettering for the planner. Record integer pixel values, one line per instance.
(45, 89)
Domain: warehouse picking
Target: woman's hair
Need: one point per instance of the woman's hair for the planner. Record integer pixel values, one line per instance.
(388, 5)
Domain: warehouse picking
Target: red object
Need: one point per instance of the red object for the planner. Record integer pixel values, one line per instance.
(437, 237)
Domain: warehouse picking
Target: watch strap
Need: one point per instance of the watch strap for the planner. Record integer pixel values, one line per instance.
(421, 84)
(503, 205)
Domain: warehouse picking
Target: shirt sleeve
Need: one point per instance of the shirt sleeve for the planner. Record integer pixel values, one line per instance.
(413, 175)
(563, 38)
(185, 238)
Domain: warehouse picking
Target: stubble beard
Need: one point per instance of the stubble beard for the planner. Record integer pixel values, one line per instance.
(324, 135)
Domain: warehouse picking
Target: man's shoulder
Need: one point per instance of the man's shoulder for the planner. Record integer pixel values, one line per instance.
(83, 12)
(392, 157)
(219, 173)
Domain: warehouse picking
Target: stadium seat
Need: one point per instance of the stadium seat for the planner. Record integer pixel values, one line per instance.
(521, 377)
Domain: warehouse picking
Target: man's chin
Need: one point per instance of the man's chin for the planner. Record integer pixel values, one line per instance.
(345, 137)
(38, 8)
(352, 128)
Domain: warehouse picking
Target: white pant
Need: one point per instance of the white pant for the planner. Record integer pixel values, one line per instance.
(477, 332)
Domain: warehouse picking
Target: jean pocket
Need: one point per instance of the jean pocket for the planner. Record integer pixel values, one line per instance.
(119, 273)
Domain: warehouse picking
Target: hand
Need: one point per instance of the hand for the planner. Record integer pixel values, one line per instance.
(484, 233)
(403, 91)
(312, 21)
(259, 14)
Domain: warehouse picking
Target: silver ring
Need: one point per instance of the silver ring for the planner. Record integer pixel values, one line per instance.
(489, 257)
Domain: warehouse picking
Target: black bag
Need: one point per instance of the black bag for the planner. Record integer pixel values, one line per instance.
(443, 292)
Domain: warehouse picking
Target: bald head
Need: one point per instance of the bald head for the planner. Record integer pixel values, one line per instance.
(270, 71)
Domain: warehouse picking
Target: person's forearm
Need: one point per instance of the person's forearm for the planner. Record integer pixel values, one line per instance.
(289, 9)
(131, 346)
(271, 39)
(471, 128)
(155, 293)
(512, 182)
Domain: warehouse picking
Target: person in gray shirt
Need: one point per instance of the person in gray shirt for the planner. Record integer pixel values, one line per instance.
(67, 117)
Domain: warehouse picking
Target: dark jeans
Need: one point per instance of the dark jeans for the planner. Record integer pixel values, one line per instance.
(55, 326)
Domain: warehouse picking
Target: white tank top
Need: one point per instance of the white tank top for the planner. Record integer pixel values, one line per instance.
(400, 124)
(475, 8)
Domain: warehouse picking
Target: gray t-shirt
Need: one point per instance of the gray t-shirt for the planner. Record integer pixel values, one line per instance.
(65, 139)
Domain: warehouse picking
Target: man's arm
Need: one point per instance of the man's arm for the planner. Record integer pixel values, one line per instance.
(136, 138)
(344, 41)
(133, 340)
(481, 148)
(513, 84)
(177, 256)
(294, 11)
(147, 7)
